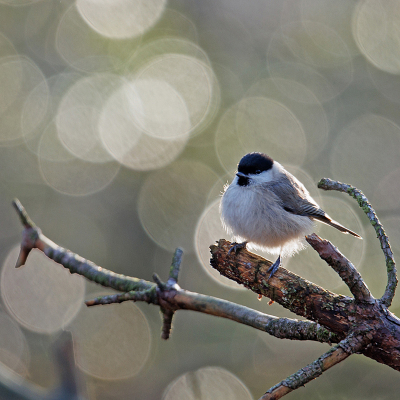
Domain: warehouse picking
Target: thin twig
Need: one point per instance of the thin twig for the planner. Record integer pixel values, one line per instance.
(23, 215)
(148, 296)
(32, 237)
(335, 355)
(346, 270)
(283, 328)
(170, 286)
(167, 316)
(328, 184)
(175, 266)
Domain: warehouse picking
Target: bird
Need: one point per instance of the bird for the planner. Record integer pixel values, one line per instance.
(271, 209)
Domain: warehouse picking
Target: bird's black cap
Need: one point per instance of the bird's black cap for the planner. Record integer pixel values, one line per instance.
(255, 163)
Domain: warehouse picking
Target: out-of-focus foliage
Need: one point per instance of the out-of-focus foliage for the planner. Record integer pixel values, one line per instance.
(120, 123)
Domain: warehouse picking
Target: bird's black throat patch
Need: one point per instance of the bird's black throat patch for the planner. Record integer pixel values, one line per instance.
(243, 180)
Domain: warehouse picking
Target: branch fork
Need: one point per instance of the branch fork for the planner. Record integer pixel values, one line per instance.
(358, 324)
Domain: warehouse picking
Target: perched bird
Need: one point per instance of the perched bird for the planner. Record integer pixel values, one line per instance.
(268, 207)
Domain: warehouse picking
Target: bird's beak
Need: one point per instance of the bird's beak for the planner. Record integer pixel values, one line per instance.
(241, 175)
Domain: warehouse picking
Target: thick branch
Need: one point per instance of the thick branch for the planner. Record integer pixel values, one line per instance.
(346, 270)
(298, 295)
(337, 313)
(328, 184)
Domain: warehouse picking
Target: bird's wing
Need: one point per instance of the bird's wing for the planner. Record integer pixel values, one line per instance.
(295, 198)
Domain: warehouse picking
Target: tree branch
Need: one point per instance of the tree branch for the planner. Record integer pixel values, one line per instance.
(332, 317)
(346, 270)
(328, 184)
(350, 345)
(169, 296)
(298, 295)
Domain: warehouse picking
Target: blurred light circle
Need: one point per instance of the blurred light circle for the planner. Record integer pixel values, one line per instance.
(135, 108)
(120, 19)
(260, 124)
(118, 131)
(313, 54)
(120, 330)
(79, 112)
(165, 45)
(77, 130)
(209, 230)
(34, 110)
(151, 153)
(50, 147)
(164, 112)
(14, 350)
(209, 383)
(304, 105)
(192, 79)
(19, 76)
(306, 75)
(142, 106)
(17, 3)
(171, 201)
(230, 85)
(124, 138)
(11, 76)
(339, 20)
(173, 23)
(34, 127)
(377, 33)
(67, 174)
(370, 143)
(324, 46)
(84, 48)
(42, 296)
(352, 247)
(388, 84)
(76, 177)
(6, 47)
(387, 192)
(269, 124)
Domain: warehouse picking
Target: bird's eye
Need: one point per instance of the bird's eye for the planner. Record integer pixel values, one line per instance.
(258, 171)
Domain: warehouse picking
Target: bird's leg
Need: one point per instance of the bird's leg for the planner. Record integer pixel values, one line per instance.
(236, 247)
(274, 267)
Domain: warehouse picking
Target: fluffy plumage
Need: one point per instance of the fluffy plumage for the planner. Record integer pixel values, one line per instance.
(268, 207)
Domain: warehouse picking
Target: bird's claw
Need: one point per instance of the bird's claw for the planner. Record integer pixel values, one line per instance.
(236, 247)
(274, 267)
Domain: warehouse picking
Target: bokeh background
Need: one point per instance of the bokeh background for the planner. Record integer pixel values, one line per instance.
(120, 123)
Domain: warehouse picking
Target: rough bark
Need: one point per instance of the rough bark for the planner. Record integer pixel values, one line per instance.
(339, 314)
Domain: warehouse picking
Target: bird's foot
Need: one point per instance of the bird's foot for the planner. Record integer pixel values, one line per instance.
(236, 247)
(274, 267)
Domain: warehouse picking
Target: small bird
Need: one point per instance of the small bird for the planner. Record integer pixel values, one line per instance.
(267, 206)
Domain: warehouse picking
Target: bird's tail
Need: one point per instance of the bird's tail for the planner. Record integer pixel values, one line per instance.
(338, 226)
(343, 229)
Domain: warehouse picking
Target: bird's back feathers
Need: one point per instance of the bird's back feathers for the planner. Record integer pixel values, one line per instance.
(296, 199)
